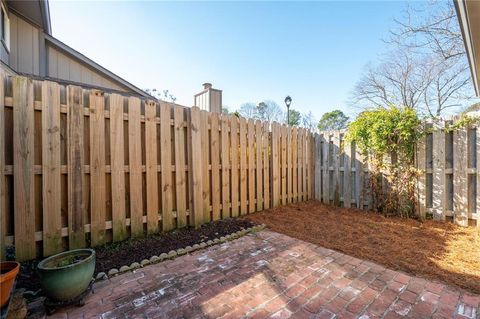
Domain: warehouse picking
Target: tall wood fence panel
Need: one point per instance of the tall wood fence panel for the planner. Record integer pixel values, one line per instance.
(448, 162)
(341, 176)
(81, 167)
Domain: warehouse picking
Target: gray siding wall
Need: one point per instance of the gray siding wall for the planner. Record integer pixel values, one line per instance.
(24, 46)
(4, 54)
(31, 54)
(62, 66)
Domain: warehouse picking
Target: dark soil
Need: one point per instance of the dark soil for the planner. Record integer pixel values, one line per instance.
(115, 255)
(127, 252)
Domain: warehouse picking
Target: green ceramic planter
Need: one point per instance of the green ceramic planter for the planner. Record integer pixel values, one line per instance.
(67, 275)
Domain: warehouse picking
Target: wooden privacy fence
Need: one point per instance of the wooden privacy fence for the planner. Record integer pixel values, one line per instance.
(447, 187)
(81, 167)
(341, 174)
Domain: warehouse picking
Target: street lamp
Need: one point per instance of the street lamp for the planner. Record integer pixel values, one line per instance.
(288, 101)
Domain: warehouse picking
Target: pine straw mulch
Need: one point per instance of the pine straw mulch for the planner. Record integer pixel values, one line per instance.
(430, 249)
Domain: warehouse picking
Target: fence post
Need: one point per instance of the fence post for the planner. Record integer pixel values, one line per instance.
(195, 167)
(3, 226)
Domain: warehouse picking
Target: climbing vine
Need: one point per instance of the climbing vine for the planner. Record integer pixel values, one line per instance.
(387, 137)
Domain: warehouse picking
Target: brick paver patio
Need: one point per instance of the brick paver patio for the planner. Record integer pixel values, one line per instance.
(270, 275)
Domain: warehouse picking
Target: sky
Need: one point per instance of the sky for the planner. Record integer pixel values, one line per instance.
(253, 51)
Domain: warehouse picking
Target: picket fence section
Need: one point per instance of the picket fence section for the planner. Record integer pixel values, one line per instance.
(341, 174)
(448, 162)
(81, 167)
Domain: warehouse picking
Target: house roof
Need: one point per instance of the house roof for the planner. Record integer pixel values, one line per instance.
(468, 13)
(36, 11)
(92, 64)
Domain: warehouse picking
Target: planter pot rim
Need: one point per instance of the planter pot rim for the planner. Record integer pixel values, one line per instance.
(12, 272)
(43, 264)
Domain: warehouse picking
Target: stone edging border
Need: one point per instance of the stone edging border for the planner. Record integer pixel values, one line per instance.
(175, 253)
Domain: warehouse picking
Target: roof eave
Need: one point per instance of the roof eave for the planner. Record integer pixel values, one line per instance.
(77, 55)
(463, 19)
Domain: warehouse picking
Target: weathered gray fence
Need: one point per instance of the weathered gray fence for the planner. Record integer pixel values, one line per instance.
(447, 186)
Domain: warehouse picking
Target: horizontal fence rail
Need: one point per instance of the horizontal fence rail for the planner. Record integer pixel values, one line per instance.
(446, 188)
(81, 167)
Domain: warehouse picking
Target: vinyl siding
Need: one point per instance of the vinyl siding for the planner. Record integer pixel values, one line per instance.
(24, 46)
(62, 66)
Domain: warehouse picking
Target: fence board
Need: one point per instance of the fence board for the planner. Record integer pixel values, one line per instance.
(326, 168)
(318, 171)
(97, 167)
(257, 170)
(294, 139)
(251, 165)
(347, 175)
(335, 163)
(76, 162)
(283, 163)
(438, 201)
(300, 164)
(215, 155)
(151, 166)
(275, 163)
(311, 166)
(166, 167)
(266, 165)
(204, 117)
(135, 167)
(259, 166)
(3, 213)
(234, 168)
(225, 151)
(478, 176)
(243, 166)
(289, 165)
(195, 164)
(23, 152)
(52, 221)
(359, 178)
(460, 201)
(304, 165)
(117, 163)
(422, 180)
(180, 177)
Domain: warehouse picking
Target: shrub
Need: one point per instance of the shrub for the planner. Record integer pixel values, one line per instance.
(388, 137)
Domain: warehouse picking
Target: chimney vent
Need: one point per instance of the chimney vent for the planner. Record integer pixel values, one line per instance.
(209, 99)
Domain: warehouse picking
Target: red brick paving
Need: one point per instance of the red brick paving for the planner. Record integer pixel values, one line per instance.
(270, 275)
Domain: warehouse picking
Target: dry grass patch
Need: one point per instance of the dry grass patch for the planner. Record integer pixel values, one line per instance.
(430, 249)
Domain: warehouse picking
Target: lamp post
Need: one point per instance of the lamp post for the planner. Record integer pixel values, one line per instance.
(288, 101)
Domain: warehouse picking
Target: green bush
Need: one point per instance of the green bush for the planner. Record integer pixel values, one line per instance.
(388, 137)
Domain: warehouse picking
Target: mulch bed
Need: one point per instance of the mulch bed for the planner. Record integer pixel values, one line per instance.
(118, 254)
(430, 249)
